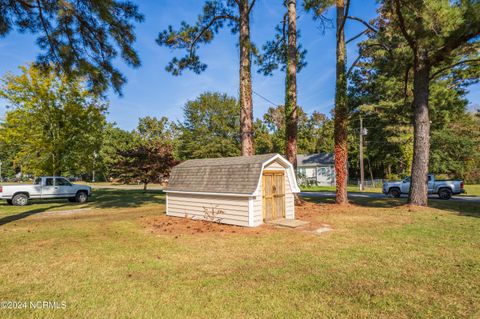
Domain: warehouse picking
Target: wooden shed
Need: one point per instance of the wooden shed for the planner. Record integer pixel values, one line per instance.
(244, 191)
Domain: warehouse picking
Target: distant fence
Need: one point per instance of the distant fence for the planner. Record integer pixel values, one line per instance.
(312, 181)
(375, 183)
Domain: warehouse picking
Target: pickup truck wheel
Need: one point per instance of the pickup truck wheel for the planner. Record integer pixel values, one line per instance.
(9, 202)
(81, 197)
(394, 192)
(445, 193)
(20, 200)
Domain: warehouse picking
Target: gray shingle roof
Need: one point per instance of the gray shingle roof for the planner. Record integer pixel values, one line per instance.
(238, 175)
(315, 159)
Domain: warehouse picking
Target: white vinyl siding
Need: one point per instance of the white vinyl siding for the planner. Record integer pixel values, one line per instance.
(258, 207)
(235, 209)
(289, 200)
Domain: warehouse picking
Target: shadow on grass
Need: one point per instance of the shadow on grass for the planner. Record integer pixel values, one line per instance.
(116, 198)
(11, 218)
(463, 208)
(471, 209)
(104, 198)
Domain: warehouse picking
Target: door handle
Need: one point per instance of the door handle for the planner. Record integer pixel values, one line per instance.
(55, 187)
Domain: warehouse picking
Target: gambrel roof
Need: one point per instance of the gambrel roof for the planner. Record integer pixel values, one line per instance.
(227, 175)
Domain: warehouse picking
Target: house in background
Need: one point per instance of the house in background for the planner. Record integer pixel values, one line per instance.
(316, 169)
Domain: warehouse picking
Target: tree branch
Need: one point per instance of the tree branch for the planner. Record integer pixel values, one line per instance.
(345, 15)
(27, 4)
(251, 6)
(408, 37)
(452, 66)
(357, 36)
(368, 25)
(453, 42)
(47, 33)
(354, 64)
(209, 24)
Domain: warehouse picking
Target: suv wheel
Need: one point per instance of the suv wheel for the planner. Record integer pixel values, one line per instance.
(20, 200)
(445, 193)
(81, 197)
(394, 192)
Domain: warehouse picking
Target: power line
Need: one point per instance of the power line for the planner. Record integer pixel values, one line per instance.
(264, 98)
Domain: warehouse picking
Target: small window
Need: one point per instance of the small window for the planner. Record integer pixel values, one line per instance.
(49, 181)
(62, 182)
(38, 181)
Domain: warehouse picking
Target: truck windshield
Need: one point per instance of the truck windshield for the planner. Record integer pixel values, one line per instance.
(37, 181)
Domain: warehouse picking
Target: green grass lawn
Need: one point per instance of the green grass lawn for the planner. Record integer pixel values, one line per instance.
(472, 190)
(380, 261)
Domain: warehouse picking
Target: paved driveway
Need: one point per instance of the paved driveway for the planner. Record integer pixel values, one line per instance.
(469, 199)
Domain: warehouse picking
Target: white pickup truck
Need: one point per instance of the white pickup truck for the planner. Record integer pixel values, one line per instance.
(444, 188)
(45, 187)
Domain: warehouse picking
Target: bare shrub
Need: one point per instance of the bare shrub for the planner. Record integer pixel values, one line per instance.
(213, 214)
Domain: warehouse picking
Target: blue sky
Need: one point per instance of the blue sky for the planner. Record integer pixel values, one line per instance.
(152, 91)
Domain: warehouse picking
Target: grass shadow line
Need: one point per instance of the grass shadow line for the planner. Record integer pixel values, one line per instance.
(11, 218)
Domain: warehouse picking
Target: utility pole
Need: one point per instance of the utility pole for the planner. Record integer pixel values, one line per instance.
(94, 163)
(362, 174)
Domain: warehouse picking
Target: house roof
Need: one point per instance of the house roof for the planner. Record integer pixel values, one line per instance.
(313, 160)
(232, 175)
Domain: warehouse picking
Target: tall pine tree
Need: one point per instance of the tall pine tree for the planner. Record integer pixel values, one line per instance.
(436, 32)
(216, 14)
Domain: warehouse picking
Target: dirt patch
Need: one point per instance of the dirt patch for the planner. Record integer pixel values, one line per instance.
(168, 225)
(175, 226)
(309, 210)
(313, 213)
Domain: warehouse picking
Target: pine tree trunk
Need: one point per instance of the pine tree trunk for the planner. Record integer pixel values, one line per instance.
(341, 111)
(246, 107)
(291, 109)
(291, 116)
(418, 194)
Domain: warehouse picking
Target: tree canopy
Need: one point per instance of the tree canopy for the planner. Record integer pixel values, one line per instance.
(146, 163)
(78, 37)
(54, 125)
(210, 127)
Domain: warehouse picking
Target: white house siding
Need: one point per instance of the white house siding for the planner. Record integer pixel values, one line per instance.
(235, 209)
